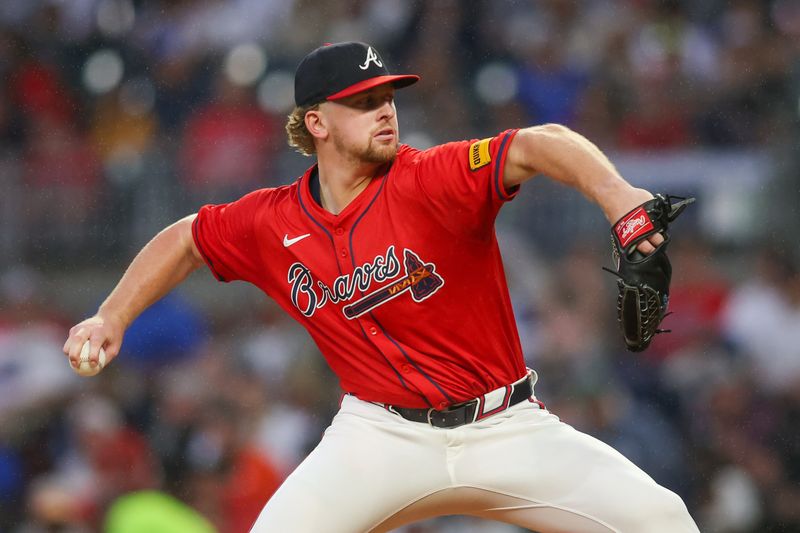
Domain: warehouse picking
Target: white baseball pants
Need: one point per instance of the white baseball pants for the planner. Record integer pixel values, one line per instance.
(374, 471)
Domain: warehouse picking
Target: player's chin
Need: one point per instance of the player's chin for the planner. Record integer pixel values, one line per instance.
(380, 152)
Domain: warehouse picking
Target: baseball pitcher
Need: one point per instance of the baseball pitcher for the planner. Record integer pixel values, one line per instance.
(387, 255)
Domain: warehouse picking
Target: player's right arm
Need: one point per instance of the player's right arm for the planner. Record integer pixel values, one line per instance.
(568, 157)
(161, 265)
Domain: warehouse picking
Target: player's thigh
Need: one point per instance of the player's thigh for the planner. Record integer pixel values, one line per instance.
(565, 477)
(366, 466)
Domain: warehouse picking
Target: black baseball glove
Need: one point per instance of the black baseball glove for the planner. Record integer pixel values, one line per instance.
(643, 280)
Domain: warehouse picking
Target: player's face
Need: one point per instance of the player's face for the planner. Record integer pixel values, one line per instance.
(364, 126)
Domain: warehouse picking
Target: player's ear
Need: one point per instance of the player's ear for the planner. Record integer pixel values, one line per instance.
(316, 123)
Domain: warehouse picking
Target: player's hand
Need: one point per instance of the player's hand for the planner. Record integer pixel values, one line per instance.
(624, 203)
(102, 331)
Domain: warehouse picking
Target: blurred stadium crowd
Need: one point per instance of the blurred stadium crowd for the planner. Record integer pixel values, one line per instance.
(118, 117)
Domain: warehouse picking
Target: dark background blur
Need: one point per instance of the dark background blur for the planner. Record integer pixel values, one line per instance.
(118, 117)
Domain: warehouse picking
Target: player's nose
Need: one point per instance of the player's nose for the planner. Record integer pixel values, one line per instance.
(386, 110)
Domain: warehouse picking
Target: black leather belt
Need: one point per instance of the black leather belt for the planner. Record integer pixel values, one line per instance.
(471, 411)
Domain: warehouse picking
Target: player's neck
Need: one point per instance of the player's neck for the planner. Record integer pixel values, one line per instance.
(340, 185)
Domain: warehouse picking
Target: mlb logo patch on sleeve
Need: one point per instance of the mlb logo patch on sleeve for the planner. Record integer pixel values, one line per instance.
(479, 155)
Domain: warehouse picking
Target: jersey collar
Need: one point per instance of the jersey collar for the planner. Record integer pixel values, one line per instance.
(349, 213)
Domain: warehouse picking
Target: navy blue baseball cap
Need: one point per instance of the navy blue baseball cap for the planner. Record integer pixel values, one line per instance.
(339, 70)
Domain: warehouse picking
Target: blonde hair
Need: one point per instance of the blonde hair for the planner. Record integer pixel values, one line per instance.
(299, 137)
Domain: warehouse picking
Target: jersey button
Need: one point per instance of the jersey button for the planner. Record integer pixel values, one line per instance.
(405, 368)
(441, 405)
(339, 231)
(373, 330)
(343, 252)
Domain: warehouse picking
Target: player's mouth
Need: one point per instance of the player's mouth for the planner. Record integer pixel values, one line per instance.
(385, 135)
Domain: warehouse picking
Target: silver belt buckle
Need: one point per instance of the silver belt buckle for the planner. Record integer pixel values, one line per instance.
(430, 412)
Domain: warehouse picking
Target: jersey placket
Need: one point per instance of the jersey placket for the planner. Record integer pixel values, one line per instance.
(409, 373)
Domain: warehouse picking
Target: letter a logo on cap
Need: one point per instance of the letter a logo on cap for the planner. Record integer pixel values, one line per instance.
(371, 57)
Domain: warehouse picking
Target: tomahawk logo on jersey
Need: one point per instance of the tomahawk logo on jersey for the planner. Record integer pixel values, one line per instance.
(421, 279)
(393, 274)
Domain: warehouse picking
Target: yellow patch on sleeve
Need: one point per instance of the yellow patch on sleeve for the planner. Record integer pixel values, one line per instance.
(479, 155)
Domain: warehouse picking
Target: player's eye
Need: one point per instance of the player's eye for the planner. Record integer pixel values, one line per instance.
(371, 102)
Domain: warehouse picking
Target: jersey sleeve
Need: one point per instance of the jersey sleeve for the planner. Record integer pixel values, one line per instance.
(226, 238)
(463, 180)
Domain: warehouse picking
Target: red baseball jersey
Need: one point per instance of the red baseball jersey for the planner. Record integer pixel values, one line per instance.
(404, 291)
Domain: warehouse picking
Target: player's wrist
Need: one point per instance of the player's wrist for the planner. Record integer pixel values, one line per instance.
(621, 200)
(112, 317)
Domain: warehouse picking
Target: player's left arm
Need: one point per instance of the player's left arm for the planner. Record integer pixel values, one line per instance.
(568, 157)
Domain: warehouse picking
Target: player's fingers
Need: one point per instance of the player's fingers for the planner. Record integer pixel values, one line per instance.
(80, 337)
(73, 331)
(112, 348)
(656, 239)
(97, 340)
(645, 247)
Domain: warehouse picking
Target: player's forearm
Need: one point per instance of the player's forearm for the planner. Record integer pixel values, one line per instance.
(161, 265)
(568, 157)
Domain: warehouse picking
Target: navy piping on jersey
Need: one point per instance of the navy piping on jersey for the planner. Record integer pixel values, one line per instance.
(501, 193)
(314, 220)
(300, 198)
(352, 259)
(313, 188)
(413, 363)
(353, 227)
(195, 225)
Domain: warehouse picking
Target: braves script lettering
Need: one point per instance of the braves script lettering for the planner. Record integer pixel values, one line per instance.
(309, 294)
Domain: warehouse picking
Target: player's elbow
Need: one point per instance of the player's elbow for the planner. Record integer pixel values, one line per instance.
(184, 230)
(551, 128)
(538, 139)
(532, 149)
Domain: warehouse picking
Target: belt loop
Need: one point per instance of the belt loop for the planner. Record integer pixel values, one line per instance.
(478, 407)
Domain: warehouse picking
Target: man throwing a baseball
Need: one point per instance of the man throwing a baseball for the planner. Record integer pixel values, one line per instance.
(387, 255)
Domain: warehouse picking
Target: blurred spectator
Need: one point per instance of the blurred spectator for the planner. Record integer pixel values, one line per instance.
(698, 293)
(229, 481)
(734, 426)
(228, 146)
(666, 42)
(574, 303)
(37, 88)
(33, 371)
(655, 119)
(118, 457)
(762, 319)
(52, 506)
(549, 88)
(62, 173)
(168, 331)
(636, 430)
(124, 126)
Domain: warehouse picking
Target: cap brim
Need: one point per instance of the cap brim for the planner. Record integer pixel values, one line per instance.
(399, 81)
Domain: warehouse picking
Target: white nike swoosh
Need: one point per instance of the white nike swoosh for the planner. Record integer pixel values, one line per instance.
(288, 242)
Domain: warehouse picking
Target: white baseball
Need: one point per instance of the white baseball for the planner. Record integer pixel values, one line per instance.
(84, 368)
